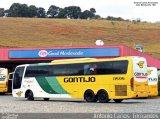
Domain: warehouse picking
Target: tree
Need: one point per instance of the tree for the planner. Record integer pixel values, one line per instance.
(97, 16)
(89, 14)
(18, 10)
(15, 10)
(53, 11)
(41, 13)
(1, 12)
(93, 11)
(73, 12)
(32, 11)
(62, 13)
(24, 11)
(86, 14)
(6, 12)
(115, 18)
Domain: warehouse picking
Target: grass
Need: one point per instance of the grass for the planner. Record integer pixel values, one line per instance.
(34, 32)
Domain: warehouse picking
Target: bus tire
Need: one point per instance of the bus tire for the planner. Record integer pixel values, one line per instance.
(103, 96)
(46, 99)
(118, 100)
(89, 96)
(29, 95)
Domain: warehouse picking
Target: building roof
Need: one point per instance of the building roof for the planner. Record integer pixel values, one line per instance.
(123, 51)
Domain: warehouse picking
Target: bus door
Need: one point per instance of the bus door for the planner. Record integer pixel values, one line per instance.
(17, 78)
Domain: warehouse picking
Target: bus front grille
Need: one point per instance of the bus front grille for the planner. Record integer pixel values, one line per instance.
(120, 90)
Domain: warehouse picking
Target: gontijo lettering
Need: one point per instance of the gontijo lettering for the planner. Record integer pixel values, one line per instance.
(79, 79)
(140, 75)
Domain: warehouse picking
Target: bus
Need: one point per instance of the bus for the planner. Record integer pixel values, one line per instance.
(152, 81)
(83, 78)
(3, 80)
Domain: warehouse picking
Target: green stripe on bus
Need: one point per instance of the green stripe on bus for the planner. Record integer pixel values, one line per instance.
(51, 85)
(45, 85)
(56, 86)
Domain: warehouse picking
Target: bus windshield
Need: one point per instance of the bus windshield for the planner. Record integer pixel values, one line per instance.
(18, 75)
(3, 74)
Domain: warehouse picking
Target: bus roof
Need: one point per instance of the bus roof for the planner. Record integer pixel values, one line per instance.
(74, 60)
(78, 60)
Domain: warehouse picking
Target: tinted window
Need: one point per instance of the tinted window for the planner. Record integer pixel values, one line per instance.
(112, 67)
(18, 75)
(120, 67)
(54, 70)
(68, 70)
(33, 71)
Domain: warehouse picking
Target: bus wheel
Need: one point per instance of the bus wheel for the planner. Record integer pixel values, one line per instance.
(103, 96)
(29, 95)
(46, 99)
(89, 96)
(118, 100)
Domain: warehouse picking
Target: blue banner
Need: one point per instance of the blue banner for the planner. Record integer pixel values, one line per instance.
(65, 53)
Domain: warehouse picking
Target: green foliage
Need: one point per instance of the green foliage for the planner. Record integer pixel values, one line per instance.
(115, 18)
(62, 13)
(15, 10)
(72, 12)
(93, 10)
(85, 14)
(41, 12)
(1, 12)
(53, 11)
(22, 10)
(32, 11)
(89, 14)
(97, 17)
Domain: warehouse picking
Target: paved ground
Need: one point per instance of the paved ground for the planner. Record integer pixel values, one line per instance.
(8, 104)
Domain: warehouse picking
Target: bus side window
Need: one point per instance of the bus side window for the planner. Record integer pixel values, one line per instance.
(89, 69)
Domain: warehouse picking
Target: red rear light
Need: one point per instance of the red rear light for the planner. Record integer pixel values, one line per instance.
(132, 83)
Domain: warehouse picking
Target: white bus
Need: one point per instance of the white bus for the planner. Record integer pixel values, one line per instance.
(85, 78)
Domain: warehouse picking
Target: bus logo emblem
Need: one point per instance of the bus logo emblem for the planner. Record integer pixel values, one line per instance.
(149, 72)
(43, 53)
(140, 64)
(19, 93)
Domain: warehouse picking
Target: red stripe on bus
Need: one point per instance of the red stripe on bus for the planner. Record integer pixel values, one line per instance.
(141, 77)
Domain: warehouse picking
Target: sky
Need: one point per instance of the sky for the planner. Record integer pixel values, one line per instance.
(126, 9)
